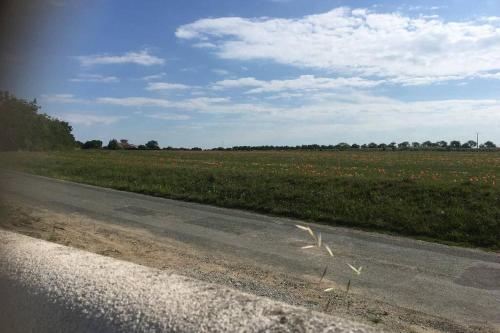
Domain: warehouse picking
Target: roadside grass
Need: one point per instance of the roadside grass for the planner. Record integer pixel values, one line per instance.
(323, 247)
(450, 197)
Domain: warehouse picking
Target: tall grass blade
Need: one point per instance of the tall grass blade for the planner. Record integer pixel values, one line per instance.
(356, 270)
(308, 229)
(323, 275)
(329, 250)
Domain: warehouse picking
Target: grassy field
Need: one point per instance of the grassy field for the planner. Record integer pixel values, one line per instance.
(444, 196)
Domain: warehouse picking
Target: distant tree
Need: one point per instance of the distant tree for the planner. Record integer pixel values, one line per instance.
(372, 145)
(489, 145)
(355, 146)
(472, 143)
(196, 149)
(382, 146)
(415, 145)
(442, 144)
(404, 145)
(92, 144)
(152, 144)
(392, 145)
(364, 146)
(455, 144)
(142, 147)
(342, 146)
(114, 145)
(466, 145)
(427, 144)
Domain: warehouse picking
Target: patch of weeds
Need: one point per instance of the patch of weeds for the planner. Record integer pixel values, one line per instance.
(319, 244)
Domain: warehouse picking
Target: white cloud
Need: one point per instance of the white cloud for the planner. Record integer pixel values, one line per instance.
(134, 101)
(302, 83)
(95, 78)
(238, 83)
(359, 42)
(142, 58)
(424, 8)
(285, 95)
(88, 119)
(491, 76)
(364, 109)
(166, 86)
(354, 117)
(153, 77)
(205, 45)
(199, 103)
(62, 98)
(360, 115)
(315, 107)
(169, 116)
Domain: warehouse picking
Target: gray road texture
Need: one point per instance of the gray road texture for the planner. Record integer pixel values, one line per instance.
(462, 285)
(50, 288)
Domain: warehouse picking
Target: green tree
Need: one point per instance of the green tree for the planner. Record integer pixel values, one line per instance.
(404, 145)
(114, 145)
(472, 143)
(455, 144)
(92, 144)
(22, 127)
(343, 146)
(469, 144)
(489, 145)
(426, 144)
(442, 144)
(152, 144)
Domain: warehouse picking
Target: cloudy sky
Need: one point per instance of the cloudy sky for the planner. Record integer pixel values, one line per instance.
(283, 72)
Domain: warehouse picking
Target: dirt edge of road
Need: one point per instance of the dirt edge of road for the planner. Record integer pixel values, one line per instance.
(145, 248)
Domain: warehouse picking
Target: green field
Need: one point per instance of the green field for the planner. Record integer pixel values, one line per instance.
(451, 197)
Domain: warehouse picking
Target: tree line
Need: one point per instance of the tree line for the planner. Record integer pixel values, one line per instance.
(426, 145)
(114, 144)
(405, 145)
(23, 127)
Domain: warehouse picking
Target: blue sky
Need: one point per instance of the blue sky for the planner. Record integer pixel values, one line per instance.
(284, 72)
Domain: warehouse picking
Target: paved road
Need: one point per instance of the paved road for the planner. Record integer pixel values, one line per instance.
(462, 285)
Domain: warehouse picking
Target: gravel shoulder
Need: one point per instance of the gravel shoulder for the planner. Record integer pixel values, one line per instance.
(160, 251)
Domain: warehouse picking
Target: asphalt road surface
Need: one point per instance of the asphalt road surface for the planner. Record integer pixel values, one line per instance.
(462, 285)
